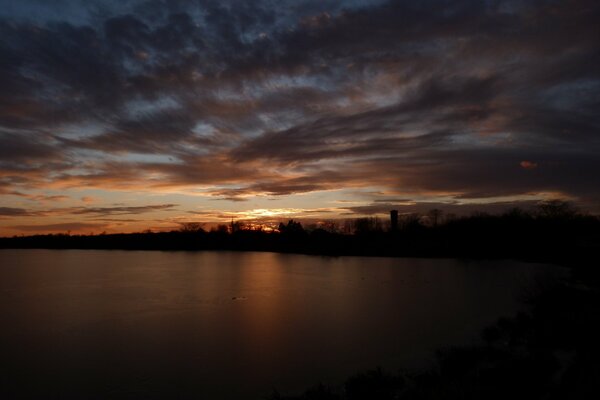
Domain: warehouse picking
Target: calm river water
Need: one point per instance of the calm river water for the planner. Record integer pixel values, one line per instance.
(219, 325)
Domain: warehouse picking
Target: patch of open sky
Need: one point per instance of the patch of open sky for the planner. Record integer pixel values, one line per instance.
(281, 81)
(380, 98)
(203, 129)
(42, 11)
(141, 107)
(278, 121)
(149, 158)
(90, 154)
(141, 62)
(100, 156)
(253, 89)
(274, 87)
(75, 12)
(472, 138)
(81, 130)
(469, 139)
(572, 95)
(345, 105)
(233, 94)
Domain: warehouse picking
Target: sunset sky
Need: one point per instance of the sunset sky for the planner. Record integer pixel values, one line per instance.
(127, 115)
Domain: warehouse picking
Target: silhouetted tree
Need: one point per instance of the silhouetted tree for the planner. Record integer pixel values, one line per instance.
(410, 221)
(373, 385)
(191, 227)
(348, 227)
(237, 226)
(556, 209)
(221, 228)
(367, 224)
(291, 227)
(435, 216)
(330, 226)
(449, 217)
(516, 213)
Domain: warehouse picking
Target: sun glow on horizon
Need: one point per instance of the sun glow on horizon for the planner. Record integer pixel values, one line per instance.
(258, 213)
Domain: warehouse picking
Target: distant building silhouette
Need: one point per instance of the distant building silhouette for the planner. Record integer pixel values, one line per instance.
(394, 220)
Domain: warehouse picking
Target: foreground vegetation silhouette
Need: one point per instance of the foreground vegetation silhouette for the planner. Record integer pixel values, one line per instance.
(551, 351)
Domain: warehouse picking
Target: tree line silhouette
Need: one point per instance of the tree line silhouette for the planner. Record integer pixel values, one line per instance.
(554, 228)
(553, 231)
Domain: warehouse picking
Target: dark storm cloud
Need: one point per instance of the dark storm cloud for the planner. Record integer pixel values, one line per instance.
(280, 98)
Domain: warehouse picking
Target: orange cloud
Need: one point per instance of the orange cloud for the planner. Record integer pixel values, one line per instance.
(528, 164)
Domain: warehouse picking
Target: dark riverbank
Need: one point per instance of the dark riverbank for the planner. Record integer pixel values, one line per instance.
(549, 352)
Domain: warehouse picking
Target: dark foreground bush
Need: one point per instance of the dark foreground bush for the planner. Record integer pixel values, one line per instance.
(551, 352)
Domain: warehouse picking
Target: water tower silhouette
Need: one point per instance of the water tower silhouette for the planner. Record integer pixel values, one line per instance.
(394, 220)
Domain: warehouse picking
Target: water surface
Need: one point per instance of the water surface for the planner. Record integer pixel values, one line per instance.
(219, 325)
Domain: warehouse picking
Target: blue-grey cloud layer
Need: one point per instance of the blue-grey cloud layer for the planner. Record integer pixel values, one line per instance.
(471, 98)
